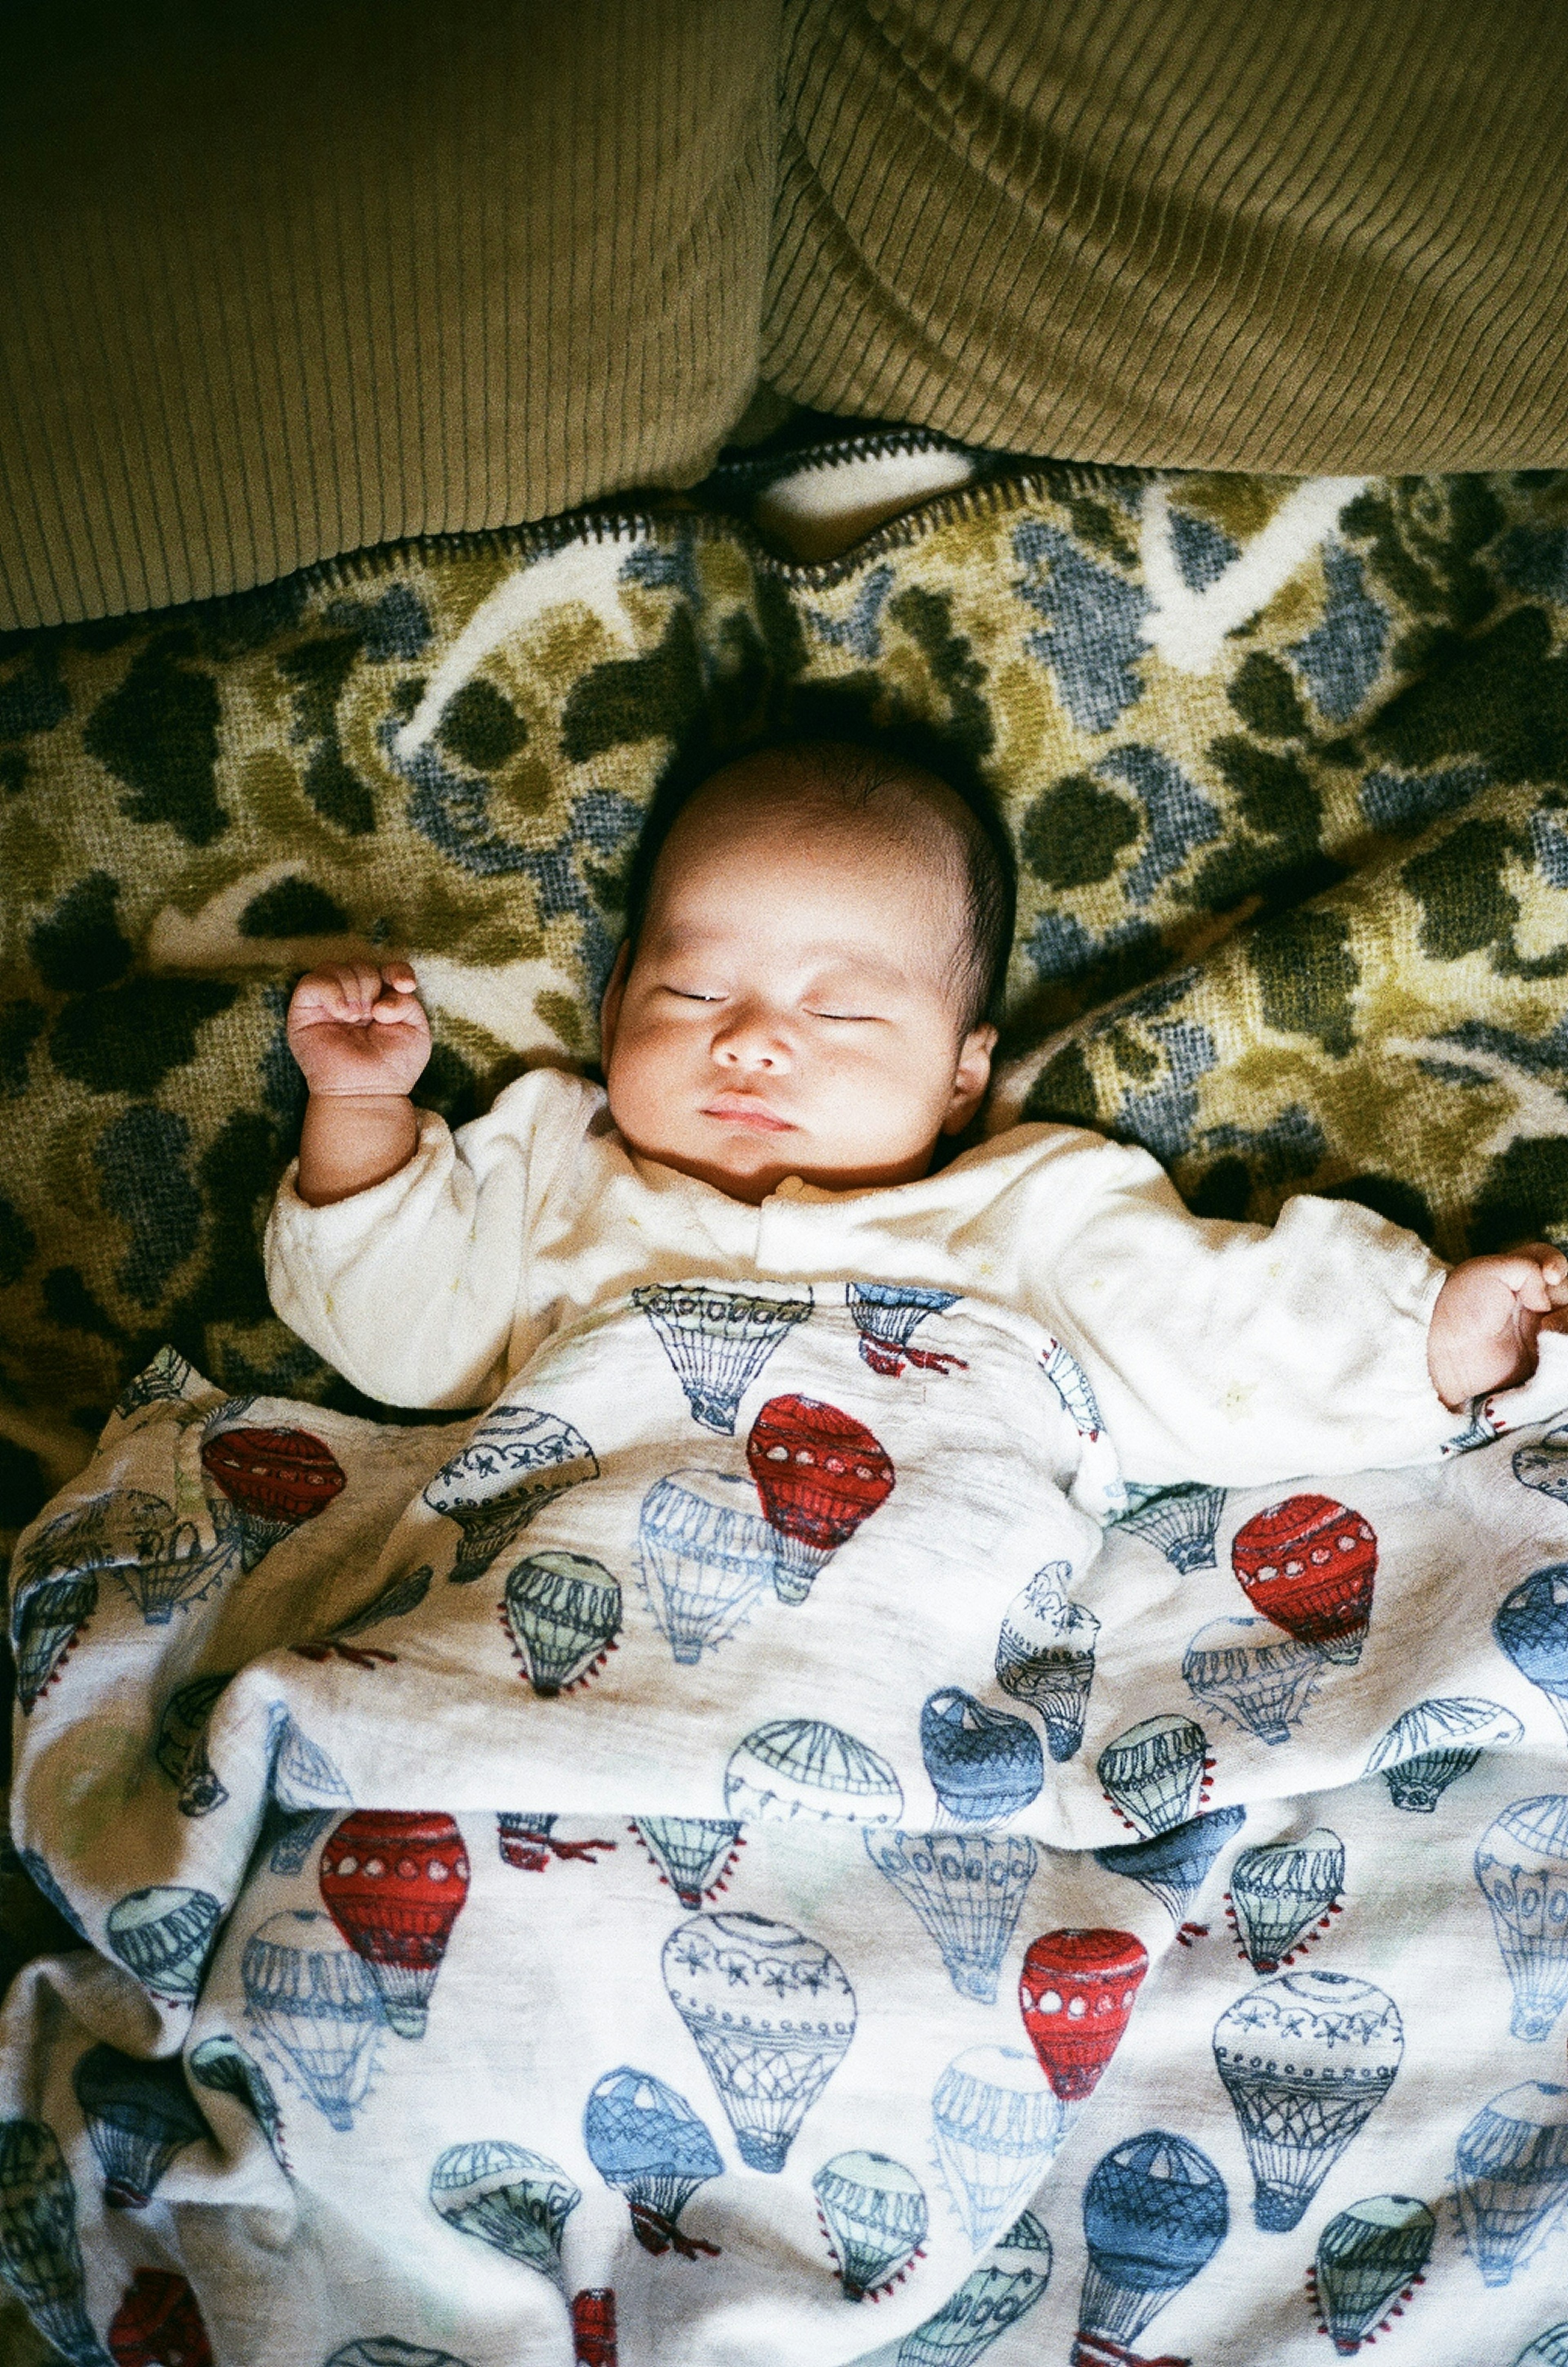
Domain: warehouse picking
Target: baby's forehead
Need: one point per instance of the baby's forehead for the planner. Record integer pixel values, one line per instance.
(911, 825)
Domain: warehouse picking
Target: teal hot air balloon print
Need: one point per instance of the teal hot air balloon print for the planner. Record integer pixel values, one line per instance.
(1431, 1746)
(46, 1619)
(798, 1767)
(1531, 1626)
(1009, 2281)
(873, 2211)
(505, 2195)
(1046, 1656)
(222, 2066)
(164, 1936)
(518, 1460)
(40, 2257)
(1368, 2258)
(705, 1554)
(984, 1763)
(563, 1613)
(181, 1745)
(315, 2007)
(1172, 1866)
(1511, 2177)
(886, 1313)
(718, 1341)
(645, 2140)
(1280, 1892)
(1155, 1775)
(1181, 1523)
(770, 2014)
(968, 1890)
(1521, 1864)
(695, 1854)
(995, 2124)
(1258, 1677)
(1154, 2212)
(139, 2115)
(1306, 2058)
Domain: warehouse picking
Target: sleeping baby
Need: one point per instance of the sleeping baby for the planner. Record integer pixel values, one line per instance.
(797, 1023)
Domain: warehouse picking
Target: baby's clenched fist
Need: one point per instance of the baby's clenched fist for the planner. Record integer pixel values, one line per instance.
(354, 1028)
(1488, 1315)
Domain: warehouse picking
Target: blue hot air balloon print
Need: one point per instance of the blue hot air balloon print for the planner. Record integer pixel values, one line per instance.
(983, 1763)
(1155, 1775)
(46, 1619)
(181, 1745)
(886, 1313)
(1004, 2287)
(1306, 2058)
(1071, 1383)
(139, 2115)
(644, 2139)
(695, 1854)
(1173, 1866)
(1544, 1465)
(1431, 1746)
(873, 2214)
(1368, 2258)
(1281, 1891)
(1531, 1626)
(40, 2257)
(222, 2066)
(563, 1613)
(997, 2125)
(1521, 1864)
(38, 1873)
(518, 1460)
(1511, 2175)
(1046, 1656)
(801, 1767)
(307, 1794)
(705, 1554)
(1181, 1523)
(164, 1936)
(505, 2195)
(1256, 1676)
(718, 1341)
(315, 2007)
(402, 1594)
(1154, 2212)
(770, 2014)
(967, 1889)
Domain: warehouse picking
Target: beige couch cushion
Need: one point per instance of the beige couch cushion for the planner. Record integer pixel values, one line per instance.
(278, 281)
(1332, 236)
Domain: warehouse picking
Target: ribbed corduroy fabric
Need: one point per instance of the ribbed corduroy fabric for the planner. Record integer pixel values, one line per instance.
(277, 281)
(1331, 236)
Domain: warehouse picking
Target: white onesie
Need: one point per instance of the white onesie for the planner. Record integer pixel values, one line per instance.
(1220, 1352)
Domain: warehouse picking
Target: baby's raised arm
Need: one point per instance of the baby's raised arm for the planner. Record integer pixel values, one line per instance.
(361, 1036)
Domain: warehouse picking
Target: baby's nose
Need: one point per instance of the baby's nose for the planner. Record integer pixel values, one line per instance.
(751, 1039)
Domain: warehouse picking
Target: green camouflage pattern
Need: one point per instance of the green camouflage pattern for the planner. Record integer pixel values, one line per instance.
(1294, 903)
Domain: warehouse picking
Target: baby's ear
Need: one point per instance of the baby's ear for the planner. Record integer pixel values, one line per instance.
(971, 1077)
(610, 1005)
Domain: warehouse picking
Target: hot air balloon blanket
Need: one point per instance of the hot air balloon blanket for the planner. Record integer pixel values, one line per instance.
(766, 1847)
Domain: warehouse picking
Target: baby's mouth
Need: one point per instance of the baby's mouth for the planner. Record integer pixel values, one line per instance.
(747, 1110)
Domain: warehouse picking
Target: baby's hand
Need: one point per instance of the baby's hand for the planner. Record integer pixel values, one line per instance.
(1488, 1315)
(358, 1029)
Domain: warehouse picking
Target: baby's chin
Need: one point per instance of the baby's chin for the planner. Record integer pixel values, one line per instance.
(749, 1165)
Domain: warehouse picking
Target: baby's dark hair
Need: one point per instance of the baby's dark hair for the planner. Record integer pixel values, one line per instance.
(856, 773)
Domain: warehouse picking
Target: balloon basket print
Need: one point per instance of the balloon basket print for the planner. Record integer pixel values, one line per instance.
(526, 1839)
(1370, 2261)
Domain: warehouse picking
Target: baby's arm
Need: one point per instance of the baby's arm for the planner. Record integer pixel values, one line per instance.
(362, 1038)
(1488, 1317)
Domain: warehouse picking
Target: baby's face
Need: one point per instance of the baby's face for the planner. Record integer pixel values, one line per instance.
(795, 1005)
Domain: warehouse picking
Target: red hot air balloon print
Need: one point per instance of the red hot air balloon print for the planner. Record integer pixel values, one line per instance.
(158, 2324)
(1308, 1565)
(819, 1473)
(394, 1881)
(275, 1480)
(1077, 1995)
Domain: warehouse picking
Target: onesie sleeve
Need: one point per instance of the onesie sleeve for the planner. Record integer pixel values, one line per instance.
(1240, 1354)
(414, 1289)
